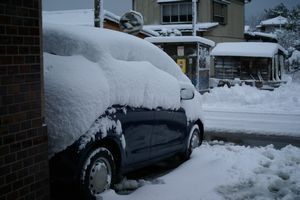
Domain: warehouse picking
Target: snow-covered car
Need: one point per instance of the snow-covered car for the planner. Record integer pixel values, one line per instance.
(113, 103)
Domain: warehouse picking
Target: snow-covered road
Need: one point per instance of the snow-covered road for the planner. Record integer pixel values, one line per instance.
(219, 171)
(253, 122)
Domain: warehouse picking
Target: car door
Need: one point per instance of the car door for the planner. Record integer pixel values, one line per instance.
(169, 132)
(137, 125)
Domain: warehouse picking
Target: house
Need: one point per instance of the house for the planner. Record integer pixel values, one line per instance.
(85, 17)
(217, 20)
(255, 63)
(191, 53)
(270, 25)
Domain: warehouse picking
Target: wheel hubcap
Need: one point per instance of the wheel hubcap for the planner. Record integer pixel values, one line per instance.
(100, 176)
(194, 141)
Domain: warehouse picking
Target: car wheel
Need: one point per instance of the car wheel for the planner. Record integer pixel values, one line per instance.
(194, 141)
(98, 173)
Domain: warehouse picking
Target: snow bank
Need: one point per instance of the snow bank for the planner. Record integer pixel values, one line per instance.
(219, 171)
(284, 99)
(95, 69)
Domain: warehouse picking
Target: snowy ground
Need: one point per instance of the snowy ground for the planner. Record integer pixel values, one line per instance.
(249, 110)
(225, 171)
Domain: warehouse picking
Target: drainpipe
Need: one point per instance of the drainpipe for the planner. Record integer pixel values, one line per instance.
(194, 8)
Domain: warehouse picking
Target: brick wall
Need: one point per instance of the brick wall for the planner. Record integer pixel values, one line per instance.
(23, 139)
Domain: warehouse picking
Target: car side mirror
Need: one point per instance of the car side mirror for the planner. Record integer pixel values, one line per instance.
(186, 94)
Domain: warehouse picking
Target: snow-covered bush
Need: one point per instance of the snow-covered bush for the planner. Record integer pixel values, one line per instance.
(294, 61)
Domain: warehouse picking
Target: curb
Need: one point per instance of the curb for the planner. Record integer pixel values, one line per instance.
(253, 139)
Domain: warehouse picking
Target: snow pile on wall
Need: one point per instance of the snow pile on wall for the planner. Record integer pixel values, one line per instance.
(238, 98)
(95, 69)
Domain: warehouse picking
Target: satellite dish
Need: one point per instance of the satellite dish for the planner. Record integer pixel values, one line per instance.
(131, 22)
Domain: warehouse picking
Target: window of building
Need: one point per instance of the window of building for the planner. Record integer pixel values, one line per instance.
(177, 12)
(219, 12)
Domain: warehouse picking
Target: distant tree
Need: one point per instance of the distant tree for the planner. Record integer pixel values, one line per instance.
(254, 20)
(280, 9)
(288, 38)
(294, 19)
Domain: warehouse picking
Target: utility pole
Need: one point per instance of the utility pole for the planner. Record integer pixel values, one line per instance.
(98, 13)
(194, 8)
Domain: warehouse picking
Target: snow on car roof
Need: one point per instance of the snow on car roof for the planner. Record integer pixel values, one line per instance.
(173, 39)
(89, 69)
(95, 44)
(247, 49)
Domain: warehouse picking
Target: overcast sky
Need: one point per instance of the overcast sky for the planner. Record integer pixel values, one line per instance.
(121, 6)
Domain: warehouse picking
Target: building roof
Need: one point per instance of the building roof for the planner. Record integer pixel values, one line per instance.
(247, 49)
(265, 37)
(182, 27)
(261, 34)
(179, 39)
(274, 21)
(83, 17)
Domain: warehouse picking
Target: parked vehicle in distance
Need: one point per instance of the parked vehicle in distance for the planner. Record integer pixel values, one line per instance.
(111, 110)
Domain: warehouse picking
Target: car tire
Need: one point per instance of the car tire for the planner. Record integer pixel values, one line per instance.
(98, 173)
(193, 142)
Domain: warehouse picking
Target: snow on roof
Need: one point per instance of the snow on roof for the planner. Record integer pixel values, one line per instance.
(247, 49)
(149, 32)
(268, 35)
(274, 21)
(83, 17)
(173, 39)
(182, 27)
